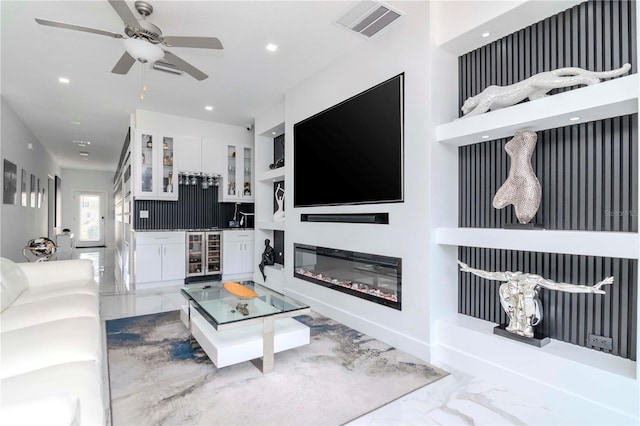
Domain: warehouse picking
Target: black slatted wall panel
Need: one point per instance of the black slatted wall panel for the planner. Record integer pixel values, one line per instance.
(595, 35)
(196, 208)
(567, 317)
(588, 173)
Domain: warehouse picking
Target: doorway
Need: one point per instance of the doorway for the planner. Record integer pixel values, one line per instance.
(89, 219)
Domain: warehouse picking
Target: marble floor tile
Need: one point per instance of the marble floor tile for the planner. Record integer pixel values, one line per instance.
(458, 399)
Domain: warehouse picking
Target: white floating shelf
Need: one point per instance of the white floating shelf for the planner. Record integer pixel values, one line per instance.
(272, 175)
(608, 99)
(606, 244)
(274, 226)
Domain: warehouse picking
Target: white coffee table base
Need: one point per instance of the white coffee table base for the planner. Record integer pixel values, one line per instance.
(241, 344)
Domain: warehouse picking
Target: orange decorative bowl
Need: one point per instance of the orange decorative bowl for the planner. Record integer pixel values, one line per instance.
(239, 290)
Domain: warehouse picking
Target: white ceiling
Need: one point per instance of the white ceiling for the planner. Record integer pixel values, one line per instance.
(244, 78)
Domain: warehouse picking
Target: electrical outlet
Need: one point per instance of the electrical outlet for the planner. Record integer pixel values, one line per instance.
(144, 214)
(600, 342)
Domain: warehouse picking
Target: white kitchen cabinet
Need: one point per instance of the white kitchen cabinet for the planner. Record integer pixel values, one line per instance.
(238, 254)
(212, 157)
(159, 256)
(238, 177)
(153, 166)
(189, 151)
(200, 155)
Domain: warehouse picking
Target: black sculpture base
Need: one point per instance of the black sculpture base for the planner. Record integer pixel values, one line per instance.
(538, 339)
(536, 226)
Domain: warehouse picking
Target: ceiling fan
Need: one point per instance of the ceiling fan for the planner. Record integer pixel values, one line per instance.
(143, 40)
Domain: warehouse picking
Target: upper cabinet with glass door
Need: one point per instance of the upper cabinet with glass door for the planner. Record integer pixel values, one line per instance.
(238, 179)
(153, 167)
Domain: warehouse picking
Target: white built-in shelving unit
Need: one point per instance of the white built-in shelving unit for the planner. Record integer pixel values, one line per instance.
(608, 99)
(268, 126)
(469, 343)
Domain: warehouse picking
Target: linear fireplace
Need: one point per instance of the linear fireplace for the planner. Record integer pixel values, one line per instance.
(368, 276)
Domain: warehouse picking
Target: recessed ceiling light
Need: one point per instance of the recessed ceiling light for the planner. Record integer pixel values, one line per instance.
(64, 80)
(209, 108)
(75, 123)
(84, 153)
(485, 35)
(485, 136)
(81, 143)
(574, 119)
(272, 47)
(273, 133)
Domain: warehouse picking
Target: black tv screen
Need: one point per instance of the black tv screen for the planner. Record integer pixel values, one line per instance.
(352, 153)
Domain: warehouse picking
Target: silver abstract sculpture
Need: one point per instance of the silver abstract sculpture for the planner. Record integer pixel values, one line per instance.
(522, 188)
(534, 87)
(519, 295)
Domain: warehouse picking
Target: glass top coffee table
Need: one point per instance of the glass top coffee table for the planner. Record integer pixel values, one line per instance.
(225, 311)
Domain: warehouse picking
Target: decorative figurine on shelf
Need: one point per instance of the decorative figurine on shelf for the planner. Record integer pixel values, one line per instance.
(268, 257)
(279, 195)
(519, 295)
(232, 188)
(534, 87)
(522, 188)
(247, 188)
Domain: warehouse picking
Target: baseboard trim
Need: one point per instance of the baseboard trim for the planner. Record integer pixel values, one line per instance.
(401, 341)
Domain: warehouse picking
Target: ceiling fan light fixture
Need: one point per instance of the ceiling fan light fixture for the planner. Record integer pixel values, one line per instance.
(143, 51)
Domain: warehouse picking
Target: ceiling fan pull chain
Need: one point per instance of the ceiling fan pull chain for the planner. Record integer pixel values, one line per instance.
(144, 86)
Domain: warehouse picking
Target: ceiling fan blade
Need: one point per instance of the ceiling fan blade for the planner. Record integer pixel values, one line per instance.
(124, 12)
(199, 42)
(124, 64)
(184, 66)
(76, 27)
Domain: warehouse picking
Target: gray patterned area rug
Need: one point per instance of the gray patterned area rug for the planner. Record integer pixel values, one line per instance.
(157, 378)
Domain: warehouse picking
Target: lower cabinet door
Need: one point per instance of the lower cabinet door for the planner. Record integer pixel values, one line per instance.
(148, 263)
(248, 257)
(232, 257)
(173, 262)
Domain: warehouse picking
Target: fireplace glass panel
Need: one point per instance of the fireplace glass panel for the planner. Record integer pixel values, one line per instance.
(368, 276)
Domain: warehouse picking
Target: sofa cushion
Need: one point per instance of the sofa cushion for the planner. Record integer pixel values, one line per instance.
(50, 411)
(51, 309)
(59, 272)
(56, 290)
(81, 379)
(43, 345)
(12, 282)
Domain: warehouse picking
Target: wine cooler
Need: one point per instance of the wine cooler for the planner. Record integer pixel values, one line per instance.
(204, 256)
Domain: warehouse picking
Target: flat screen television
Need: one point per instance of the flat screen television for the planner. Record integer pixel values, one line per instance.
(353, 152)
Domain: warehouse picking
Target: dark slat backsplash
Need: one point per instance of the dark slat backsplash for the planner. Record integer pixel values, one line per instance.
(196, 208)
(567, 317)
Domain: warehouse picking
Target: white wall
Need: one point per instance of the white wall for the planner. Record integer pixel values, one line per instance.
(402, 47)
(20, 224)
(184, 126)
(87, 180)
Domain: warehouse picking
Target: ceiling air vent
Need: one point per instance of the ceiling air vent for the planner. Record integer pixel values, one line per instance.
(368, 18)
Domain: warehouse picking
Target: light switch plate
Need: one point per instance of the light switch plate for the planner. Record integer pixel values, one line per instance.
(144, 214)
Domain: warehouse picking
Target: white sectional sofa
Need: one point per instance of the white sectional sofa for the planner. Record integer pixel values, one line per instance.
(51, 344)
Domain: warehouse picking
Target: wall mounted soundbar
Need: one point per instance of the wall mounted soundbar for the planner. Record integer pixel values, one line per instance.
(375, 218)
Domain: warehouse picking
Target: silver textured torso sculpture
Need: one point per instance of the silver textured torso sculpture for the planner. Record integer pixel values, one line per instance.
(519, 295)
(522, 187)
(534, 87)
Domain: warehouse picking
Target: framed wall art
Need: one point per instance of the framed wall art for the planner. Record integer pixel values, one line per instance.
(32, 192)
(10, 183)
(23, 189)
